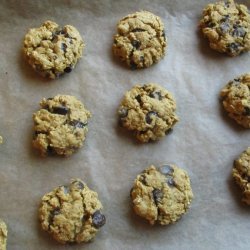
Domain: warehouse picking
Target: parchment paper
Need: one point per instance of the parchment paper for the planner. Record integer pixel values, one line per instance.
(205, 142)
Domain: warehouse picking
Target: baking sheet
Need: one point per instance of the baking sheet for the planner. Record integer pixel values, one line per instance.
(205, 142)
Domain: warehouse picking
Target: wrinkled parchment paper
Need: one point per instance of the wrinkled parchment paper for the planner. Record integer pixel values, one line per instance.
(205, 142)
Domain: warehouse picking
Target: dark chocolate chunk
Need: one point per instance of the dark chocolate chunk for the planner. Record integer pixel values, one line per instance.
(50, 98)
(137, 30)
(170, 182)
(166, 170)
(157, 195)
(239, 31)
(68, 69)
(156, 95)
(138, 98)
(233, 47)
(79, 184)
(50, 150)
(133, 66)
(225, 27)
(123, 112)
(65, 189)
(56, 211)
(61, 110)
(247, 111)
(169, 131)
(136, 44)
(148, 116)
(64, 47)
(98, 219)
(78, 124)
(211, 25)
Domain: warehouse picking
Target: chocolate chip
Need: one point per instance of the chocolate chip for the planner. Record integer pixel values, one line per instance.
(211, 25)
(64, 47)
(141, 58)
(247, 111)
(166, 170)
(56, 211)
(78, 124)
(225, 27)
(156, 95)
(123, 112)
(163, 34)
(168, 131)
(233, 47)
(239, 31)
(133, 66)
(65, 189)
(157, 195)
(68, 70)
(148, 116)
(61, 110)
(115, 41)
(136, 44)
(79, 184)
(50, 150)
(98, 219)
(138, 98)
(137, 30)
(50, 98)
(143, 179)
(170, 182)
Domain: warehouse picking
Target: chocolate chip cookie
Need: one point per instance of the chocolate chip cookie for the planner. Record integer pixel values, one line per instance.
(71, 213)
(3, 235)
(161, 195)
(149, 111)
(140, 40)
(60, 125)
(235, 98)
(241, 174)
(227, 27)
(52, 50)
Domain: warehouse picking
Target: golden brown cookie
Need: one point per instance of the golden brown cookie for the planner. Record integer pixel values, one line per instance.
(226, 25)
(71, 213)
(149, 111)
(241, 174)
(235, 98)
(60, 125)
(161, 195)
(52, 50)
(140, 40)
(3, 235)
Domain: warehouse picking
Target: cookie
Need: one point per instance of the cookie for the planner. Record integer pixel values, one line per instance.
(140, 40)
(226, 25)
(149, 111)
(235, 98)
(60, 125)
(52, 50)
(161, 195)
(71, 213)
(3, 235)
(241, 174)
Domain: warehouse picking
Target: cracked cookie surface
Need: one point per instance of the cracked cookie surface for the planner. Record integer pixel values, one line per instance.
(227, 27)
(149, 111)
(71, 213)
(3, 235)
(235, 98)
(241, 174)
(60, 125)
(51, 50)
(161, 195)
(140, 40)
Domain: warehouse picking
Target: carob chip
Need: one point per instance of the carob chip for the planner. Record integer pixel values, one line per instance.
(61, 110)
(157, 195)
(98, 219)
